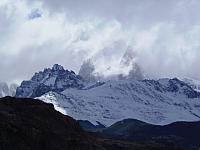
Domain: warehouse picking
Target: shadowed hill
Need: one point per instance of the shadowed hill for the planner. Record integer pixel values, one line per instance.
(32, 124)
(185, 135)
(29, 124)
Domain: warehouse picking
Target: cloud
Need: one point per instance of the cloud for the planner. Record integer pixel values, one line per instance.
(30, 45)
(35, 14)
(140, 12)
(37, 34)
(170, 52)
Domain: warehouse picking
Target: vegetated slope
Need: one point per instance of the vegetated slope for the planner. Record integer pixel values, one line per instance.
(28, 124)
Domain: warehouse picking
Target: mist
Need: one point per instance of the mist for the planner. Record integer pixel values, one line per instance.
(34, 35)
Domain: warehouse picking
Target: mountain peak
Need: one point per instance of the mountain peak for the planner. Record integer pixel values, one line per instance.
(128, 57)
(56, 79)
(87, 71)
(6, 90)
(57, 67)
(129, 61)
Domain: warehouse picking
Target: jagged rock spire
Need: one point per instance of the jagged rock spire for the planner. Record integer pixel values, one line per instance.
(56, 79)
(87, 71)
(57, 67)
(129, 60)
(6, 90)
(128, 57)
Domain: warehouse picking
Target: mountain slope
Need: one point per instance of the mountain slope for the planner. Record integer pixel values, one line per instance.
(31, 124)
(28, 124)
(157, 102)
(195, 84)
(87, 71)
(183, 134)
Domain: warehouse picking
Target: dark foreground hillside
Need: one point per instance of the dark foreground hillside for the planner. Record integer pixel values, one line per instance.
(27, 124)
(185, 135)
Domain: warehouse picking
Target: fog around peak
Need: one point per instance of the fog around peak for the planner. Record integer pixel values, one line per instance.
(163, 34)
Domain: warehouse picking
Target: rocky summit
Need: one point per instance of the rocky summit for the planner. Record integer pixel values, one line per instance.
(51, 79)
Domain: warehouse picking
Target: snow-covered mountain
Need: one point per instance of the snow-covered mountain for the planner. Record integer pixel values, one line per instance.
(51, 79)
(129, 61)
(13, 88)
(157, 102)
(127, 68)
(6, 90)
(87, 71)
(195, 84)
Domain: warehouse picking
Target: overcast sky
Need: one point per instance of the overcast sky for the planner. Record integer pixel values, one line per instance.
(34, 34)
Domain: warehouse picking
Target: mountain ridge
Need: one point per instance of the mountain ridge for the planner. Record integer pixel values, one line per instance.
(183, 134)
(154, 101)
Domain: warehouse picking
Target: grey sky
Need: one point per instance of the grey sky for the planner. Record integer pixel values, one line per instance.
(35, 34)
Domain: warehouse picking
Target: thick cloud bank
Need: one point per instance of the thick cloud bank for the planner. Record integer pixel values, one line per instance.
(165, 35)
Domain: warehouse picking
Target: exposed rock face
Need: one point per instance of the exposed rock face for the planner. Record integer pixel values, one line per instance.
(195, 84)
(128, 57)
(126, 69)
(5, 90)
(135, 73)
(175, 86)
(87, 71)
(129, 61)
(13, 89)
(55, 79)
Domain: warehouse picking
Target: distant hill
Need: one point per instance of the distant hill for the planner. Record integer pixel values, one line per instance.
(184, 135)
